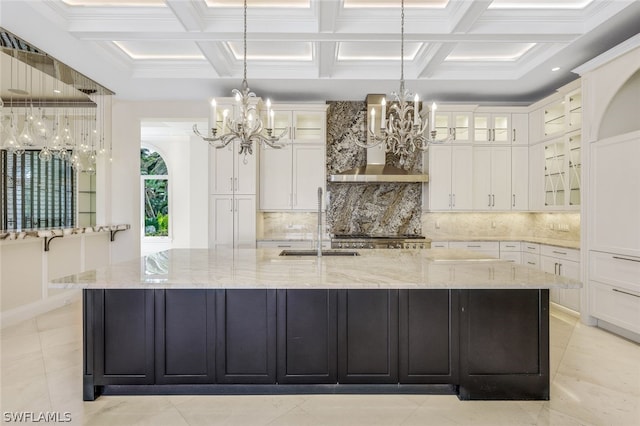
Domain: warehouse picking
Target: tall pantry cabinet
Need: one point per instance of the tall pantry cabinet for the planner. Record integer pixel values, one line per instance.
(232, 190)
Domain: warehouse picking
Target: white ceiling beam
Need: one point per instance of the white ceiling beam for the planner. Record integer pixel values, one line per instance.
(221, 59)
(437, 58)
(188, 13)
(327, 11)
(326, 59)
(467, 15)
(323, 37)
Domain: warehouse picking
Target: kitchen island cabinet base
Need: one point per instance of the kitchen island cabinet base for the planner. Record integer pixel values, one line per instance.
(477, 344)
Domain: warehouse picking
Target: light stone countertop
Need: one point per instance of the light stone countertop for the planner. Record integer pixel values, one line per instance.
(540, 240)
(23, 234)
(263, 268)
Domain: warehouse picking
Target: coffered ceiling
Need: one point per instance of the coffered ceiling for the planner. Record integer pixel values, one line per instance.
(482, 51)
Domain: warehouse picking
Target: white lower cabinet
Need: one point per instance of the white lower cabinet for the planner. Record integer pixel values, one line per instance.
(490, 248)
(614, 289)
(232, 221)
(511, 250)
(564, 262)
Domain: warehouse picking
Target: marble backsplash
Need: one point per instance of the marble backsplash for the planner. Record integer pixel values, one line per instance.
(373, 208)
(441, 226)
(459, 225)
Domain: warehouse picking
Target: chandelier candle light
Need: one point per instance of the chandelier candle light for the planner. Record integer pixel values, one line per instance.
(245, 124)
(404, 131)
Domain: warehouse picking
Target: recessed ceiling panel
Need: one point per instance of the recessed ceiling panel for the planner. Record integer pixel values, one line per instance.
(376, 51)
(260, 3)
(362, 4)
(492, 52)
(117, 3)
(160, 49)
(270, 51)
(539, 4)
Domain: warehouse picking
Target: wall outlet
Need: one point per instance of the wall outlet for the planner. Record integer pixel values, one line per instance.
(493, 223)
(552, 226)
(437, 224)
(563, 227)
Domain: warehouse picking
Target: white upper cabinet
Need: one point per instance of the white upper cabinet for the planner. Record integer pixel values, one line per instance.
(457, 124)
(562, 173)
(561, 116)
(492, 128)
(492, 178)
(520, 178)
(450, 184)
(232, 173)
(290, 177)
(520, 129)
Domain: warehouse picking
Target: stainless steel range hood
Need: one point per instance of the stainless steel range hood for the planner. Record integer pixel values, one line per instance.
(376, 170)
(378, 173)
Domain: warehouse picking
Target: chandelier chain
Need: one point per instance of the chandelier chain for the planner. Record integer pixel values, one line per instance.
(244, 45)
(402, 46)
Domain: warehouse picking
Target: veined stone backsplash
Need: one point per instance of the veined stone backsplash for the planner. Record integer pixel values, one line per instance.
(459, 225)
(374, 208)
(440, 226)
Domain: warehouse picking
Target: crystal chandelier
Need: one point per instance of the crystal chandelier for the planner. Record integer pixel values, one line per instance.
(404, 131)
(245, 124)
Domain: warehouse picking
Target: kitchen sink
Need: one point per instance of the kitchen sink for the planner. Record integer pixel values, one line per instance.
(315, 253)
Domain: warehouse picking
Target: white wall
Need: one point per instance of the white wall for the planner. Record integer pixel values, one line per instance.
(125, 174)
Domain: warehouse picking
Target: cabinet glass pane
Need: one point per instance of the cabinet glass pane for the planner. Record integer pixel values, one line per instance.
(554, 174)
(501, 128)
(309, 125)
(442, 125)
(575, 111)
(481, 128)
(463, 124)
(554, 119)
(574, 142)
(281, 122)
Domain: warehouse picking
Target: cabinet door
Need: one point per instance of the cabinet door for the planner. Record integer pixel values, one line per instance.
(244, 221)
(555, 174)
(482, 127)
(275, 178)
(439, 185)
(482, 178)
(246, 336)
(570, 297)
(520, 178)
(462, 126)
(123, 324)
(221, 211)
(615, 199)
(428, 341)
(221, 176)
(308, 175)
(501, 128)
(185, 336)
(443, 124)
(574, 167)
(537, 177)
(307, 336)
(283, 121)
(501, 178)
(309, 126)
(462, 177)
(520, 129)
(368, 336)
(245, 171)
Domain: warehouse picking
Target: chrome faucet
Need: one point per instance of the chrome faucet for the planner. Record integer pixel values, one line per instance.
(319, 221)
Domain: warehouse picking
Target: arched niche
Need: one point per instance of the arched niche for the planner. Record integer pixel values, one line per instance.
(623, 113)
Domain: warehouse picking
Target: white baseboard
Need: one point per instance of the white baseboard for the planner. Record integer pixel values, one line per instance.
(627, 334)
(564, 309)
(32, 310)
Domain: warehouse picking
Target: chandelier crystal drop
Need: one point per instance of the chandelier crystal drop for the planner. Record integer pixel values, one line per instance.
(245, 125)
(404, 130)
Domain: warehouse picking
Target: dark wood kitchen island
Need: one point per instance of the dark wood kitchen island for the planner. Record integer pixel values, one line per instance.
(252, 322)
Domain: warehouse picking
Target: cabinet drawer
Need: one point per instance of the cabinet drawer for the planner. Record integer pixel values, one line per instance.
(513, 256)
(614, 305)
(510, 246)
(532, 260)
(531, 247)
(439, 244)
(560, 253)
(476, 245)
(285, 244)
(619, 270)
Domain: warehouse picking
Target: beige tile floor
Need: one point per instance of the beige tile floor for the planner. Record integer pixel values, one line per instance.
(595, 380)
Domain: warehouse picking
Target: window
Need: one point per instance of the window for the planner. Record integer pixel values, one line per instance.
(155, 189)
(35, 193)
